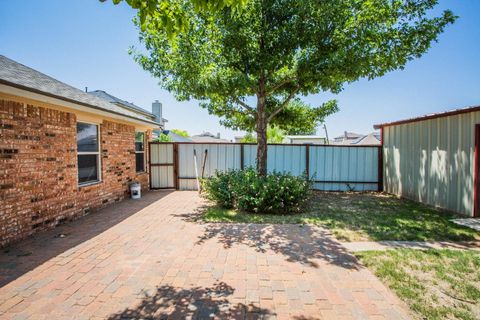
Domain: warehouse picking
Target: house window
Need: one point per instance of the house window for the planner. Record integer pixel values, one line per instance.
(88, 153)
(140, 151)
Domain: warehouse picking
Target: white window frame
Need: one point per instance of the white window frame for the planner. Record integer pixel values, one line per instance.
(99, 160)
(135, 148)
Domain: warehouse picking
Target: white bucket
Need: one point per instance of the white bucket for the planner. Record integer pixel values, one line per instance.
(136, 190)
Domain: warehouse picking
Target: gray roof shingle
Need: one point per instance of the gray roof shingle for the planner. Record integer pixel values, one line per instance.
(107, 96)
(16, 74)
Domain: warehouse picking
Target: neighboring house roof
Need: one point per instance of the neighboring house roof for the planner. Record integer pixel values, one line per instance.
(17, 75)
(342, 142)
(305, 137)
(176, 137)
(207, 137)
(369, 139)
(430, 116)
(349, 135)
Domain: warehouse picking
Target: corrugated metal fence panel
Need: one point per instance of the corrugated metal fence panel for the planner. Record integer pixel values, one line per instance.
(161, 153)
(339, 168)
(285, 158)
(220, 157)
(432, 161)
(344, 168)
(162, 176)
(249, 155)
(280, 158)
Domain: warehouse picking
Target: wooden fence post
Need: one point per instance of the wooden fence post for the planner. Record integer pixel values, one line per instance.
(307, 161)
(175, 165)
(149, 161)
(242, 164)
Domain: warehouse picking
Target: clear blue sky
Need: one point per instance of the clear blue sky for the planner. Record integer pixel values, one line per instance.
(85, 43)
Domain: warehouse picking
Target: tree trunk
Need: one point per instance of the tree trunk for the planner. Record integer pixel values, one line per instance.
(261, 129)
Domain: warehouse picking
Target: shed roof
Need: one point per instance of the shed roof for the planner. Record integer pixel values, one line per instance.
(429, 116)
(22, 77)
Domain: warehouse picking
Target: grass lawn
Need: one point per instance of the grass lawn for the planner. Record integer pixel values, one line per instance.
(362, 217)
(436, 284)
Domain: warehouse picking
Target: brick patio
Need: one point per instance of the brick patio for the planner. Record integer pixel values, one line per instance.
(150, 259)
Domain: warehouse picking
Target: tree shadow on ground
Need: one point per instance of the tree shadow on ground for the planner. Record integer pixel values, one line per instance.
(193, 303)
(23, 256)
(306, 244)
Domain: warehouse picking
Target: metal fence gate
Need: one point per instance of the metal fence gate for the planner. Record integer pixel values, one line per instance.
(331, 167)
(163, 165)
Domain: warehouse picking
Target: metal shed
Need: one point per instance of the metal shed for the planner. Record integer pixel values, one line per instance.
(434, 159)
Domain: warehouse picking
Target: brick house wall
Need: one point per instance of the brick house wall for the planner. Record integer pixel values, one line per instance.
(38, 169)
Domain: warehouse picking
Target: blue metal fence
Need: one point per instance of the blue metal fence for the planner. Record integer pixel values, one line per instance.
(331, 167)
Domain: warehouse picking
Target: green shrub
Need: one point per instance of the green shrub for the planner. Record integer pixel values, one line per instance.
(245, 190)
(219, 189)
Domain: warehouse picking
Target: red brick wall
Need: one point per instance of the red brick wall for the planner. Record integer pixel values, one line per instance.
(38, 169)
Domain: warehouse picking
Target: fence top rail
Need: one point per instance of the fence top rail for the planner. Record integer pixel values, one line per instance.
(271, 144)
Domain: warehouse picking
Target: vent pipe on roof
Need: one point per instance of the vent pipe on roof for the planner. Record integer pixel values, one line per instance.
(157, 111)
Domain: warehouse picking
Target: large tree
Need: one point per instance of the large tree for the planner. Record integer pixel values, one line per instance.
(246, 67)
(300, 118)
(274, 135)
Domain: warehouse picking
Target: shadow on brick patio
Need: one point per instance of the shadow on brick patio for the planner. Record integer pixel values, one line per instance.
(307, 244)
(21, 257)
(169, 302)
(197, 303)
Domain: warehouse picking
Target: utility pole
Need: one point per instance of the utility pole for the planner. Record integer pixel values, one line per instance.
(326, 133)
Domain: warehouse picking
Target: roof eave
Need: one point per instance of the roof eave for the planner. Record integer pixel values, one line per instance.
(428, 117)
(51, 95)
(145, 113)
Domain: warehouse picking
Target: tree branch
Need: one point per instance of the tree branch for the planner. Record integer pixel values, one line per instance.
(245, 75)
(284, 82)
(243, 104)
(284, 104)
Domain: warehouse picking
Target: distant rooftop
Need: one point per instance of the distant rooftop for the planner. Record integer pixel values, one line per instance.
(305, 137)
(349, 135)
(176, 137)
(208, 137)
(369, 139)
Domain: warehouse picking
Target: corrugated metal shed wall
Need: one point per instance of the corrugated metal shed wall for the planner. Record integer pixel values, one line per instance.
(334, 165)
(432, 161)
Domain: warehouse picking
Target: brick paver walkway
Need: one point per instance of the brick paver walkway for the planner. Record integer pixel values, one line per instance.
(149, 259)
